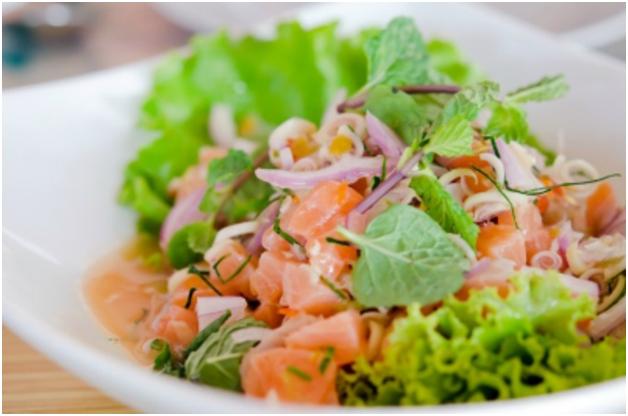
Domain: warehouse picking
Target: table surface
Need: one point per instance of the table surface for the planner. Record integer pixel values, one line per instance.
(30, 382)
(33, 384)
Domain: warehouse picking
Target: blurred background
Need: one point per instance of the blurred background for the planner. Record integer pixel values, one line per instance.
(43, 42)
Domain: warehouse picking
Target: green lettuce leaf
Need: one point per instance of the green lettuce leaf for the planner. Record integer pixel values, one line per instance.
(296, 73)
(146, 178)
(405, 257)
(487, 348)
(447, 59)
(444, 209)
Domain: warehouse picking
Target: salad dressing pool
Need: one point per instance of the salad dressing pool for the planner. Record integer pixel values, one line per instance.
(125, 292)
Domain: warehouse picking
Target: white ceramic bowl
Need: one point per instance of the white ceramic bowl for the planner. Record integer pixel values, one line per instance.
(66, 143)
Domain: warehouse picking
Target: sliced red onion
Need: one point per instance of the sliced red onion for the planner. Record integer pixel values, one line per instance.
(184, 212)
(387, 185)
(384, 137)
(265, 221)
(608, 320)
(617, 224)
(487, 272)
(517, 175)
(254, 333)
(547, 260)
(580, 286)
(478, 268)
(209, 308)
(356, 222)
(349, 169)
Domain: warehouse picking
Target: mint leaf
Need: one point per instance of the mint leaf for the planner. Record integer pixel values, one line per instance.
(452, 138)
(508, 122)
(251, 196)
(405, 258)
(216, 362)
(397, 110)
(547, 88)
(444, 209)
(220, 175)
(226, 169)
(397, 55)
(469, 102)
(189, 243)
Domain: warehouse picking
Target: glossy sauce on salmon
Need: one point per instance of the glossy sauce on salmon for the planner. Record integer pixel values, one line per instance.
(125, 294)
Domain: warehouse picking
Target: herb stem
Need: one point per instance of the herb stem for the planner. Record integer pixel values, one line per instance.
(333, 240)
(501, 191)
(329, 354)
(299, 373)
(237, 271)
(545, 189)
(188, 302)
(217, 263)
(359, 101)
(333, 288)
(279, 231)
(204, 276)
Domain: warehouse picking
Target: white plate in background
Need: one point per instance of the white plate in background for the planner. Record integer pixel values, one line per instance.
(66, 144)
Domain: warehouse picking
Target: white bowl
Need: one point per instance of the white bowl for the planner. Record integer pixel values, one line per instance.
(66, 144)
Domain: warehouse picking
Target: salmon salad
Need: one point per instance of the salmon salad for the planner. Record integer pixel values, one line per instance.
(362, 220)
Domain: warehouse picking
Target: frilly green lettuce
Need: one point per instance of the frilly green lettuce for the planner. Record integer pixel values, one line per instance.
(487, 348)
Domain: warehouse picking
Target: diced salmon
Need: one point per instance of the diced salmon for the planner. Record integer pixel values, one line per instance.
(601, 208)
(530, 222)
(467, 161)
(181, 294)
(502, 241)
(345, 332)
(330, 259)
(303, 291)
(176, 325)
(267, 281)
(269, 313)
(234, 255)
(272, 241)
(321, 210)
(290, 374)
